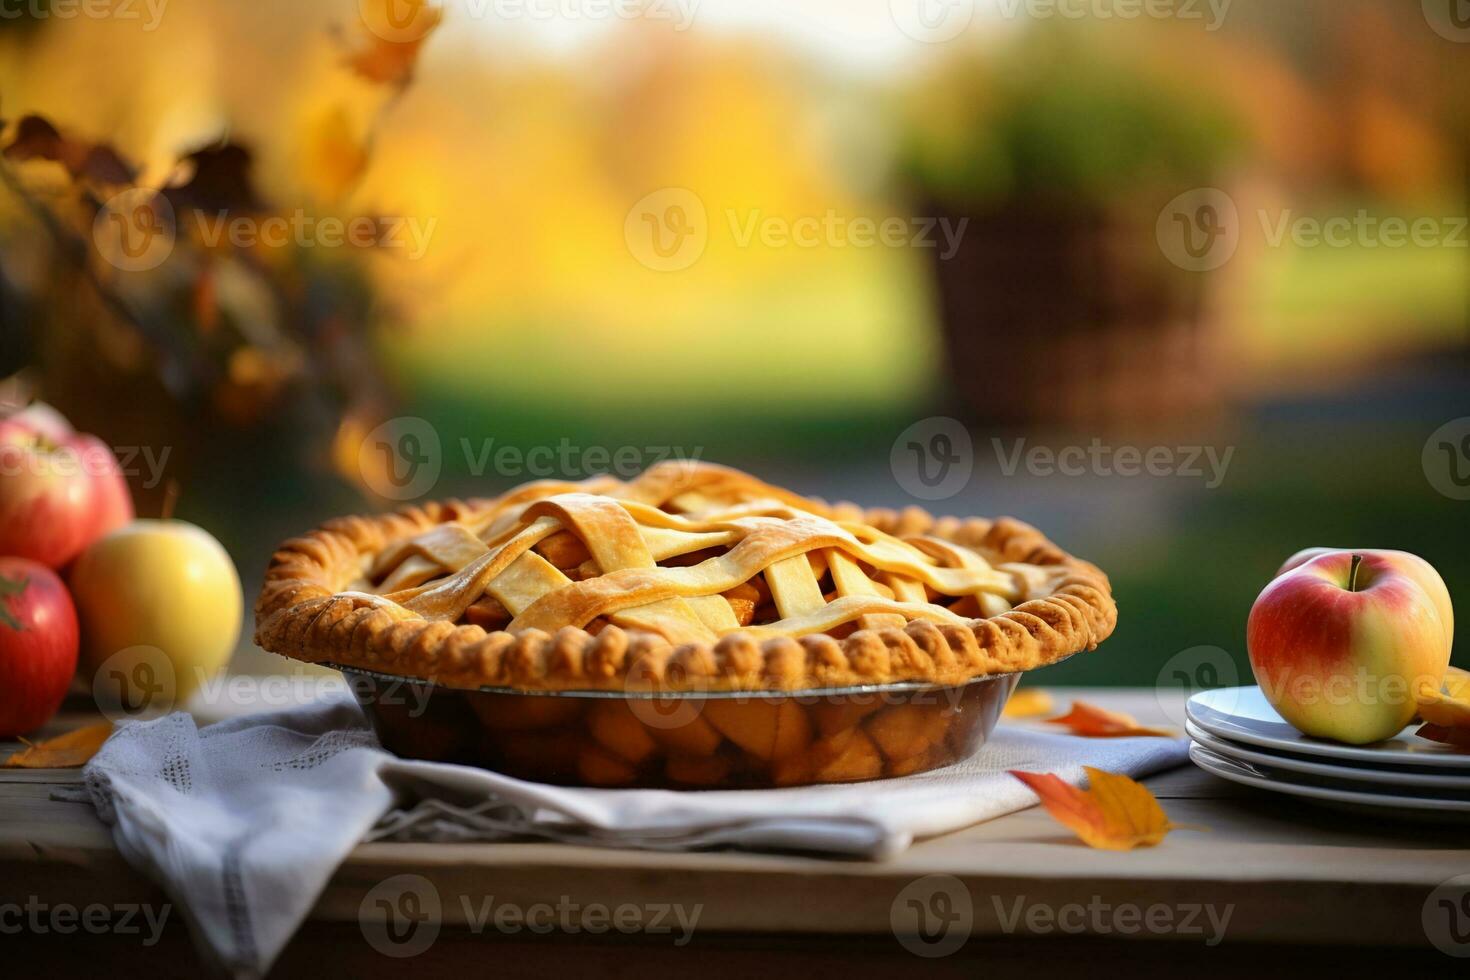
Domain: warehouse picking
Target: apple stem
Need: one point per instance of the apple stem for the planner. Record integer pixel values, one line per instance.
(170, 500)
(1353, 573)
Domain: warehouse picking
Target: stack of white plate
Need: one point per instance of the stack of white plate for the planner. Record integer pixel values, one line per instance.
(1238, 736)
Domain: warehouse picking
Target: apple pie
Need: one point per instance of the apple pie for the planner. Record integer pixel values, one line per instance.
(689, 577)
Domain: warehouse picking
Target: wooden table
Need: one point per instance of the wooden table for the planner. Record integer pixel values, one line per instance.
(1303, 887)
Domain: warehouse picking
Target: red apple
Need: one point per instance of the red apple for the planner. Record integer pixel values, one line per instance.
(38, 645)
(59, 490)
(1341, 642)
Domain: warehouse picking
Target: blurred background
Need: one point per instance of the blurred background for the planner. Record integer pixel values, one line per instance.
(1185, 284)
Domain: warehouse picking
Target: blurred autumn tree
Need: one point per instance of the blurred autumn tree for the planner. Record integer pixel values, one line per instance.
(158, 295)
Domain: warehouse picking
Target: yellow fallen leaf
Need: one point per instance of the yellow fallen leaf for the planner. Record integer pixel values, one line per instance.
(1028, 702)
(1093, 722)
(1114, 813)
(1447, 706)
(67, 751)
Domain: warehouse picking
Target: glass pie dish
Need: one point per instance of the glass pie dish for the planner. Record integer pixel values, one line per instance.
(691, 627)
(714, 740)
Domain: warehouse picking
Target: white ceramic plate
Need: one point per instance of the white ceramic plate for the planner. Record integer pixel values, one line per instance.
(1242, 714)
(1247, 775)
(1408, 779)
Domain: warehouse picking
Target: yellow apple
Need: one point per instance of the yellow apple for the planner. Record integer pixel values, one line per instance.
(160, 607)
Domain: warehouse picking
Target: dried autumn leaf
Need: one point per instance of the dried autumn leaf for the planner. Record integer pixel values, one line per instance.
(1093, 722)
(1028, 702)
(218, 180)
(1447, 706)
(1113, 814)
(37, 139)
(68, 751)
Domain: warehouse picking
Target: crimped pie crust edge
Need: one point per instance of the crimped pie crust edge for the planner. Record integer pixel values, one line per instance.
(301, 615)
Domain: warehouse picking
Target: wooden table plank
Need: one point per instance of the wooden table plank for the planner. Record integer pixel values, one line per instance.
(1289, 872)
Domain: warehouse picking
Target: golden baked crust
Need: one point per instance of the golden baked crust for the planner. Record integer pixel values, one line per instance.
(690, 577)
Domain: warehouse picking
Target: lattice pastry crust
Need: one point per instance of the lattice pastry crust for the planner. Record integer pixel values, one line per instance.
(689, 577)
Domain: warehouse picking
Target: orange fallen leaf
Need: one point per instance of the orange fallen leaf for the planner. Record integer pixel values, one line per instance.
(392, 52)
(67, 751)
(1447, 706)
(1113, 814)
(1094, 722)
(1028, 702)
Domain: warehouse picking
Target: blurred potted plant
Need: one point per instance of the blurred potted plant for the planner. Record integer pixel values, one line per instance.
(1060, 306)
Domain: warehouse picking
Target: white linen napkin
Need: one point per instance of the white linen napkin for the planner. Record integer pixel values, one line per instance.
(243, 822)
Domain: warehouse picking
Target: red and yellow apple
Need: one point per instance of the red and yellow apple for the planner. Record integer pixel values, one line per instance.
(1340, 641)
(60, 490)
(38, 645)
(164, 590)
